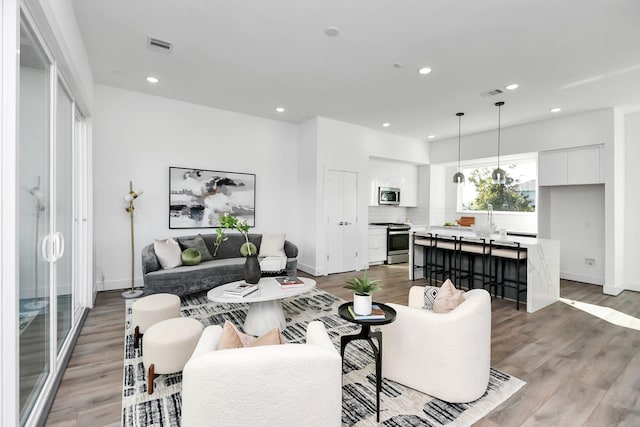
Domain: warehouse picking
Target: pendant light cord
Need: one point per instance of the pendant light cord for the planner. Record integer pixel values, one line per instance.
(499, 105)
(459, 127)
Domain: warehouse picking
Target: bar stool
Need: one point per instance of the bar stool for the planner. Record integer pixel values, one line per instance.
(448, 246)
(472, 248)
(425, 241)
(503, 251)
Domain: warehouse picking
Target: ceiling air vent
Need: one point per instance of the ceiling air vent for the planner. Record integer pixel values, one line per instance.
(158, 44)
(491, 92)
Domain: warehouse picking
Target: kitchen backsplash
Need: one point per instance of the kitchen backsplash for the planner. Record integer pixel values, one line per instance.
(398, 214)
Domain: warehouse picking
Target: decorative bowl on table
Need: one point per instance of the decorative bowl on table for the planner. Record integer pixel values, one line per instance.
(484, 230)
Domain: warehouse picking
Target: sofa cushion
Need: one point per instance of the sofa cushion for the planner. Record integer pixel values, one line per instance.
(168, 252)
(198, 243)
(232, 338)
(272, 245)
(430, 293)
(448, 298)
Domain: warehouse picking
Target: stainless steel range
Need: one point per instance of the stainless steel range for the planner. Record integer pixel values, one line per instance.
(397, 241)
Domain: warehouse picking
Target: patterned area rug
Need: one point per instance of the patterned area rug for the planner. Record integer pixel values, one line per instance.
(399, 406)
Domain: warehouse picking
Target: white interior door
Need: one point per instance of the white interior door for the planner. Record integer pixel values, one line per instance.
(341, 198)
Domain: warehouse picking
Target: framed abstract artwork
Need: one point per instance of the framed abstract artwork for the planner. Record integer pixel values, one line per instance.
(198, 197)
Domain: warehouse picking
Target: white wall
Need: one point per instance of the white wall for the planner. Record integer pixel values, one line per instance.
(577, 220)
(632, 201)
(591, 128)
(138, 136)
(344, 146)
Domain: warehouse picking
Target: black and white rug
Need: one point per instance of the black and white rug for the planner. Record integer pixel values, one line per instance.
(399, 407)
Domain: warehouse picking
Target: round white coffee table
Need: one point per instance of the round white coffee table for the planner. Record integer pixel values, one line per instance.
(265, 308)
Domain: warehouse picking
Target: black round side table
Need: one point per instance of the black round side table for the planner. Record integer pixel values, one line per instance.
(367, 334)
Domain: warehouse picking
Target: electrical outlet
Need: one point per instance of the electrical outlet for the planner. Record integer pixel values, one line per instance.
(590, 262)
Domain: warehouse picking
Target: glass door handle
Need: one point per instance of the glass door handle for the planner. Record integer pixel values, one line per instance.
(59, 245)
(47, 248)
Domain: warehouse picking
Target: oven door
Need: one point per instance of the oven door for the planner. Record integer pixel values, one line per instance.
(397, 246)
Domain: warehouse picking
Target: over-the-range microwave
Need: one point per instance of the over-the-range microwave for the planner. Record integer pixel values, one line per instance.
(389, 196)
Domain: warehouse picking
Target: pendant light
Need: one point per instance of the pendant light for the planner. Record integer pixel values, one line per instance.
(498, 175)
(458, 177)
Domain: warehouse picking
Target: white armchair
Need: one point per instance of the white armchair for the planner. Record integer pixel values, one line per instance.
(273, 385)
(446, 356)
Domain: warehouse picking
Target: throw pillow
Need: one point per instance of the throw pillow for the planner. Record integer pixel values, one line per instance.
(232, 338)
(272, 245)
(168, 253)
(198, 243)
(448, 298)
(430, 293)
(191, 256)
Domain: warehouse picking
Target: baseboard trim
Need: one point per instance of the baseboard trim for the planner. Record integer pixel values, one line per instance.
(308, 269)
(594, 280)
(113, 285)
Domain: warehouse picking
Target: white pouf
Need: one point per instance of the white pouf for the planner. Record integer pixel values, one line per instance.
(168, 345)
(152, 309)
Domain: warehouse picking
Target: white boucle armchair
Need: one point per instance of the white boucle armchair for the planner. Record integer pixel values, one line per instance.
(446, 356)
(273, 385)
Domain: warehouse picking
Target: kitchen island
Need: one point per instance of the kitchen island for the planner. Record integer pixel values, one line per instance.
(543, 263)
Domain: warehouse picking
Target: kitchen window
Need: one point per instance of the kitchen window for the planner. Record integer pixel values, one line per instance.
(519, 194)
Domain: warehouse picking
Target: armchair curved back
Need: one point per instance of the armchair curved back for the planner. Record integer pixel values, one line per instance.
(444, 355)
(290, 384)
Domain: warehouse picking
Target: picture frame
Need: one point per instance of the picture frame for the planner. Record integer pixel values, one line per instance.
(198, 197)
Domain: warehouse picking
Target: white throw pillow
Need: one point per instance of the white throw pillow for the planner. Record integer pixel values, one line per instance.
(168, 253)
(272, 245)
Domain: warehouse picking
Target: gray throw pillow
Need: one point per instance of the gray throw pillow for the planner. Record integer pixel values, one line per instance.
(430, 293)
(198, 243)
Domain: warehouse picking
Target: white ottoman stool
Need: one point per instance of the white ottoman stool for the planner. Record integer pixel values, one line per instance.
(168, 345)
(150, 310)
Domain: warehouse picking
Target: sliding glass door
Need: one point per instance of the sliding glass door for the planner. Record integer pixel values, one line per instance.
(52, 166)
(34, 216)
(64, 217)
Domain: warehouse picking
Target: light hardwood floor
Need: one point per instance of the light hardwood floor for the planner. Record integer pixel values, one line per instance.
(580, 370)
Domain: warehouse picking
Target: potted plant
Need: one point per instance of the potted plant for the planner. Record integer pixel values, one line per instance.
(362, 289)
(252, 271)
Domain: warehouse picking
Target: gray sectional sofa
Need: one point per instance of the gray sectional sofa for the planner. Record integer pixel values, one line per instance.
(227, 266)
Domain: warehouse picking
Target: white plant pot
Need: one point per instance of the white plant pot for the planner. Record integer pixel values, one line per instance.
(362, 304)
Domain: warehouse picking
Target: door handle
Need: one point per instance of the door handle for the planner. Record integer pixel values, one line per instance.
(59, 245)
(347, 223)
(47, 248)
(341, 223)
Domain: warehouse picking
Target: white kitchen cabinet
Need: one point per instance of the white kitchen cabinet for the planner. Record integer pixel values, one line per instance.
(552, 168)
(377, 245)
(389, 173)
(575, 166)
(583, 166)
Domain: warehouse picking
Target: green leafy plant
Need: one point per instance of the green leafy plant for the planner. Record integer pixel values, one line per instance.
(220, 237)
(231, 222)
(362, 285)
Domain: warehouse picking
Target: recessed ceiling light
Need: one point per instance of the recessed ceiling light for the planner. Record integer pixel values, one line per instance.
(151, 79)
(332, 31)
(386, 124)
(424, 70)
(280, 110)
(431, 136)
(511, 86)
(555, 109)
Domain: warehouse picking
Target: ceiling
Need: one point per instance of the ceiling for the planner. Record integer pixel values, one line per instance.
(253, 56)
